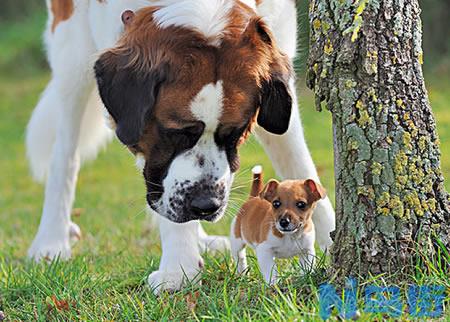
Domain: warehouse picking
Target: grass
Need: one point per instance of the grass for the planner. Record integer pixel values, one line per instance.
(106, 278)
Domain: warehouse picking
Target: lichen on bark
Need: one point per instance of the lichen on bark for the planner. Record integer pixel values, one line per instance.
(365, 66)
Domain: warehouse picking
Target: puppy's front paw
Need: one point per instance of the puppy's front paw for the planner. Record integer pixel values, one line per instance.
(172, 280)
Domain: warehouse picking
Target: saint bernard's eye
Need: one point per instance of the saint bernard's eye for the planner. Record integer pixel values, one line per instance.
(194, 130)
(184, 137)
(229, 136)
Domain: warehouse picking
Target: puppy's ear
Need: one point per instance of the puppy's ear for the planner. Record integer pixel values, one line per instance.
(127, 17)
(128, 94)
(275, 96)
(270, 190)
(315, 190)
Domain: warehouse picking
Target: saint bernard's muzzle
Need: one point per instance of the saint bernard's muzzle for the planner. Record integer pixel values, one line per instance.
(197, 182)
(185, 105)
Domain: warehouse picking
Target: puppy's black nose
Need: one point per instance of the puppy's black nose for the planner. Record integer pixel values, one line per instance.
(202, 206)
(284, 222)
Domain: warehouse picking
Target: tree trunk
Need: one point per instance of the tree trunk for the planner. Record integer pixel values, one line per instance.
(365, 63)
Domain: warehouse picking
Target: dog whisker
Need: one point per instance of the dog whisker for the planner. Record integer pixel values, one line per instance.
(154, 183)
(140, 212)
(242, 172)
(153, 192)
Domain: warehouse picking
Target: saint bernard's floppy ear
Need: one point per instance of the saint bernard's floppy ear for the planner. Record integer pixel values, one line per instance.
(128, 93)
(275, 106)
(275, 97)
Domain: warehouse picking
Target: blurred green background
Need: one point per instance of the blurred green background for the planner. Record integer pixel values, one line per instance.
(110, 190)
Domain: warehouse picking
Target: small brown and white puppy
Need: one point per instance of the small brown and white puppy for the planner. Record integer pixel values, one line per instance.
(276, 222)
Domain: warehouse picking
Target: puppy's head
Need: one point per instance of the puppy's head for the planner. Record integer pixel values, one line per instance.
(293, 202)
(184, 93)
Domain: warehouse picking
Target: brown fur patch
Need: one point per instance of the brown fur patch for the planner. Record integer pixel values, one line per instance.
(257, 185)
(185, 61)
(62, 10)
(255, 220)
(237, 227)
(308, 226)
(241, 62)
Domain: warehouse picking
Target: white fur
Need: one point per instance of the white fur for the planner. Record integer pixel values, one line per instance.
(105, 19)
(54, 144)
(290, 245)
(66, 126)
(257, 169)
(238, 249)
(140, 161)
(210, 17)
(207, 106)
(206, 243)
(281, 17)
(181, 260)
(212, 244)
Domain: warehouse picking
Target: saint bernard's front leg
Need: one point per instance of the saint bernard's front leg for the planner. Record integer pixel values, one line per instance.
(181, 262)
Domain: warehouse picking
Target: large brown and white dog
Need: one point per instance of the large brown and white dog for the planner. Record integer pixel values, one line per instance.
(184, 81)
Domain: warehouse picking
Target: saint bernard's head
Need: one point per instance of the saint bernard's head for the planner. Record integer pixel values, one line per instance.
(184, 85)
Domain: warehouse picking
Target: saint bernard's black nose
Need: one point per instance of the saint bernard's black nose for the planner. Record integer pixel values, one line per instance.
(204, 206)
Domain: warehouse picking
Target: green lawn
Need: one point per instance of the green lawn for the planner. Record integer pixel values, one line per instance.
(106, 278)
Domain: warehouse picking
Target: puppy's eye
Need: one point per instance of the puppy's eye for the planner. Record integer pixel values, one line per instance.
(301, 205)
(276, 204)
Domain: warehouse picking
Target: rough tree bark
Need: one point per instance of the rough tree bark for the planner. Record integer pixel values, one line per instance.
(365, 64)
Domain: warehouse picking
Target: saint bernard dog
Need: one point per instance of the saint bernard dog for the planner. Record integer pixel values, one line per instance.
(184, 83)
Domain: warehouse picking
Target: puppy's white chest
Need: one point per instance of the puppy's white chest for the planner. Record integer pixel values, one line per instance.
(290, 246)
